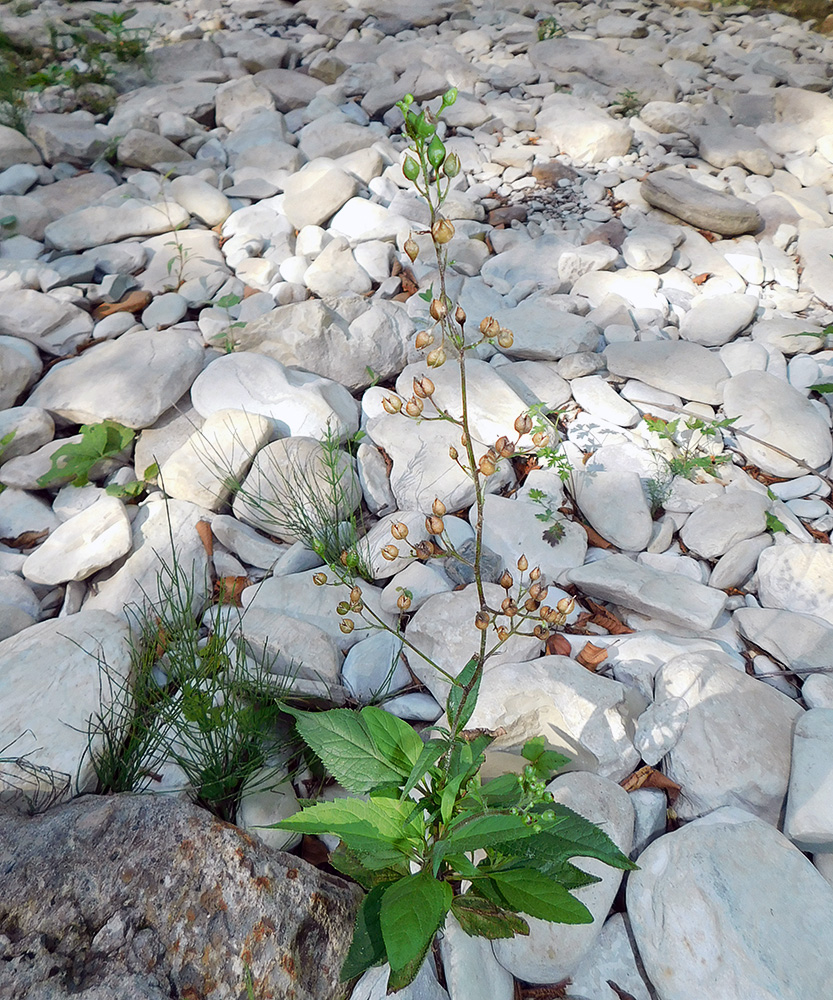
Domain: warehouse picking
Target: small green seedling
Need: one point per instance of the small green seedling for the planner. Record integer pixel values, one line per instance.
(774, 524)
(135, 488)
(548, 27)
(76, 458)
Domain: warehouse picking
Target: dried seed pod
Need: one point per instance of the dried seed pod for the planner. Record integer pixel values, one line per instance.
(547, 614)
(481, 620)
(453, 453)
(566, 605)
(489, 327)
(460, 315)
(523, 565)
(505, 338)
(486, 466)
(423, 550)
(442, 231)
(412, 248)
(342, 608)
(506, 580)
(423, 339)
(419, 388)
(403, 602)
(523, 423)
(504, 447)
(540, 632)
(390, 552)
(464, 440)
(438, 507)
(355, 595)
(502, 633)
(346, 625)
(414, 406)
(436, 358)
(319, 579)
(438, 309)
(434, 525)
(392, 404)
(399, 530)
(531, 605)
(540, 440)
(535, 573)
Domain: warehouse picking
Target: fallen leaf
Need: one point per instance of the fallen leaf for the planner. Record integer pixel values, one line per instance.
(649, 777)
(229, 588)
(133, 302)
(557, 991)
(606, 619)
(557, 645)
(701, 279)
(707, 235)
(27, 540)
(820, 536)
(592, 657)
(207, 539)
(594, 538)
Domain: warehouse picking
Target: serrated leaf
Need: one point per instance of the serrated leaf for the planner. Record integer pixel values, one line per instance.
(352, 864)
(544, 761)
(367, 947)
(412, 912)
(429, 755)
(480, 918)
(341, 740)
(457, 697)
(570, 836)
(527, 890)
(383, 829)
(476, 832)
(395, 739)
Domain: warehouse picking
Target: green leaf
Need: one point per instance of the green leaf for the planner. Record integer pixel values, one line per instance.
(428, 294)
(480, 918)
(97, 441)
(529, 891)
(352, 864)
(544, 761)
(413, 910)
(430, 754)
(822, 387)
(227, 301)
(395, 739)
(381, 828)
(367, 947)
(569, 835)
(469, 834)
(341, 739)
(774, 524)
(463, 701)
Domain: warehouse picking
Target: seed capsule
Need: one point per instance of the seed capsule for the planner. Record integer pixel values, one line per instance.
(505, 338)
(460, 315)
(438, 309)
(355, 595)
(410, 168)
(438, 507)
(434, 525)
(481, 620)
(423, 387)
(540, 439)
(423, 339)
(531, 605)
(452, 453)
(399, 530)
(403, 602)
(342, 608)
(547, 614)
(506, 580)
(423, 550)
(489, 327)
(504, 447)
(566, 605)
(523, 423)
(540, 632)
(412, 248)
(502, 633)
(392, 404)
(452, 165)
(442, 231)
(390, 552)
(535, 573)
(435, 358)
(346, 626)
(319, 579)
(523, 565)
(414, 406)
(486, 466)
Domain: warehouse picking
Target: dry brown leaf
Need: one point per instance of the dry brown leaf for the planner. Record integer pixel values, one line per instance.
(133, 302)
(606, 619)
(229, 588)
(820, 536)
(594, 538)
(557, 645)
(207, 539)
(26, 540)
(592, 656)
(649, 777)
(701, 279)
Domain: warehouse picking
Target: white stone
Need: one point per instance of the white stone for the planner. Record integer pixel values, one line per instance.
(659, 728)
(727, 907)
(552, 951)
(373, 668)
(770, 409)
(335, 271)
(809, 818)
(205, 469)
(261, 807)
(90, 227)
(53, 326)
(471, 969)
(249, 545)
(595, 395)
(583, 715)
(718, 524)
(667, 596)
(316, 193)
(738, 562)
(615, 504)
(685, 369)
(201, 199)
(81, 546)
(735, 746)
(646, 250)
(611, 962)
(46, 722)
(582, 130)
(715, 320)
(797, 578)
